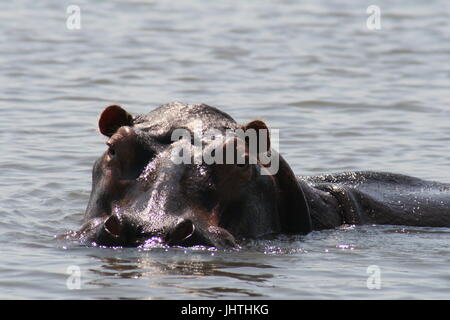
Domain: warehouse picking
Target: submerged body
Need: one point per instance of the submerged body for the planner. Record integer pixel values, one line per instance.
(140, 193)
(376, 198)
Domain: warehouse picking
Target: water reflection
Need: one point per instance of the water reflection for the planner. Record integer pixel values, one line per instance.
(216, 292)
(200, 274)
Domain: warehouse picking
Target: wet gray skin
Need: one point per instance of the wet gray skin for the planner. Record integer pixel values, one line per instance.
(140, 194)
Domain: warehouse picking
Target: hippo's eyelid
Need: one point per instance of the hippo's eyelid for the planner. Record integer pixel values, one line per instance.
(111, 143)
(111, 150)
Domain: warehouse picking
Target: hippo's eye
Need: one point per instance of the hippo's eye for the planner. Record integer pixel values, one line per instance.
(111, 150)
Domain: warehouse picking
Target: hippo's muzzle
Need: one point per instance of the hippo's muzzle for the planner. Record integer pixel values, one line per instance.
(115, 231)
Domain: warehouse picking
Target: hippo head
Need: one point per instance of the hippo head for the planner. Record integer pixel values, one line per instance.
(142, 192)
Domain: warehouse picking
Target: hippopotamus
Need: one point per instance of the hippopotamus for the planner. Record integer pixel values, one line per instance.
(140, 194)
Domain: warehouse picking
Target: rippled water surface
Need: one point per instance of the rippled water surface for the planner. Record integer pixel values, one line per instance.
(344, 98)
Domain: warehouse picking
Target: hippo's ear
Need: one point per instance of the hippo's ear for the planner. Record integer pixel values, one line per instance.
(292, 205)
(112, 118)
(261, 132)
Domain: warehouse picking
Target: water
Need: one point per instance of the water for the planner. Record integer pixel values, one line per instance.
(344, 98)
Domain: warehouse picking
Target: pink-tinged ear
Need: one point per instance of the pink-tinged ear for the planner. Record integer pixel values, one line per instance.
(258, 125)
(112, 118)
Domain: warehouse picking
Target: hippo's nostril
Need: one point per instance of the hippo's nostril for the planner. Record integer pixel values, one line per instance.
(112, 226)
(182, 231)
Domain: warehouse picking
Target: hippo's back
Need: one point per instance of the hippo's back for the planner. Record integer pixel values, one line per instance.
(387, 198)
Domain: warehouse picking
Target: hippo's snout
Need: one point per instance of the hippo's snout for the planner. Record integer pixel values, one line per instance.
(121, 232)
(114, 232)
(181, 233)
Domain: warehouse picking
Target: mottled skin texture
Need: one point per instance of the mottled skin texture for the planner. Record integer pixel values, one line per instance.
(139, 193)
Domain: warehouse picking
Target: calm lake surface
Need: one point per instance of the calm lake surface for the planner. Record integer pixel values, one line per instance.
(343, 97)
